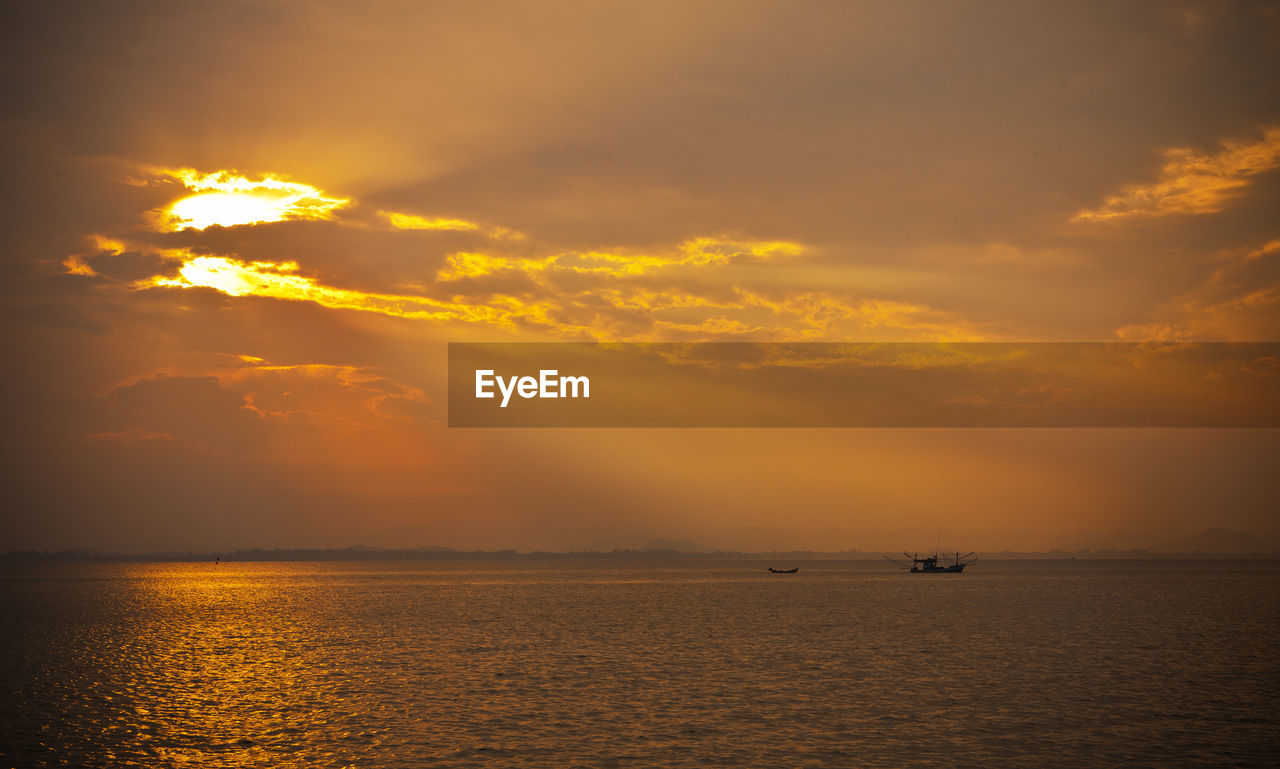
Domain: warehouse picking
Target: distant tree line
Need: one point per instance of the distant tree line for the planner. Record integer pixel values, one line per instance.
(416, 554)
(436, 553)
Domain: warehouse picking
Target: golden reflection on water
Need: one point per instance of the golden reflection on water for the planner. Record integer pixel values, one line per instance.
(660, 664)
(228, 668)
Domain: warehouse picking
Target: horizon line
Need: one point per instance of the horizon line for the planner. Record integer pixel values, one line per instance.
(445, 553)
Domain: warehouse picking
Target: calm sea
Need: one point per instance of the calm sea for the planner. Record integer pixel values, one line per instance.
(653, 664)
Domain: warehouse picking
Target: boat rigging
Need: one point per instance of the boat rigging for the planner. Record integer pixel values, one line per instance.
(938, 563)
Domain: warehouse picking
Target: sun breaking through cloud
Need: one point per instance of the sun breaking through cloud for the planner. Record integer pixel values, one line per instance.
(226, 199)
(279, 280)
(609, 293)
(615, 310)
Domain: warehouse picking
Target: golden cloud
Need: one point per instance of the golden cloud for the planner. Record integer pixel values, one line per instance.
(1192, 182)
(612, 310)
(412, 222)
(695, 252)
(402, 221)
(76, 265)
(600, 294)
(279, 280)
(228, 199)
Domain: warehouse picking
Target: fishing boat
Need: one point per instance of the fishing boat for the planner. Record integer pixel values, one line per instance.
(938, 563)
(784, 571)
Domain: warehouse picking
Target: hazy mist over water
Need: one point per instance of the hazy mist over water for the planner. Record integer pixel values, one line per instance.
(695, 663)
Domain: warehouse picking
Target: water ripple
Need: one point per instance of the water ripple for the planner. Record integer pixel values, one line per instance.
(686, 664)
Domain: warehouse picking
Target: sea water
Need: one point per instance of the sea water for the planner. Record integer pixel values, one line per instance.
(608, 663)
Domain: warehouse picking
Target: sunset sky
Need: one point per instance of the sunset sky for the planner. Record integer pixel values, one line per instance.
(237, 239)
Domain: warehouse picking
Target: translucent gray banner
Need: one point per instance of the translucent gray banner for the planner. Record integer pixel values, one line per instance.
(864, 385)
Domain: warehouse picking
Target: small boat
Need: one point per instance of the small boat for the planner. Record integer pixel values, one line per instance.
(783, 571)
(934, 564)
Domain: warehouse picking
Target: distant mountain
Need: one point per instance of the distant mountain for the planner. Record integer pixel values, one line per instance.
(679, 545)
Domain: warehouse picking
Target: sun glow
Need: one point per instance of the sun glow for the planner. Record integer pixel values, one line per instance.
(279, 280)
(225, 199)
(632, 308)
(614, 297)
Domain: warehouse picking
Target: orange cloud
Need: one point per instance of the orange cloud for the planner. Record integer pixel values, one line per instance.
(1191, 182)
(601, 294)
(351, 394)
(76, 265)
(401, 221)
(412, 222)
(609, 307)
(819, 314)
(1238, 302)
(228, 199)
(1266, 249)
(279, 280)
(695, 252)
(333, 428)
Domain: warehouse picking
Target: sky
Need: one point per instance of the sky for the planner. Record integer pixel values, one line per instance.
(237, 239)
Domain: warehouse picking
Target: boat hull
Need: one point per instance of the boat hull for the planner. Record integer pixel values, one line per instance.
(941, 570)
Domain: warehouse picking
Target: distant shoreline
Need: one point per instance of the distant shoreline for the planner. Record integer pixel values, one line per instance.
(449, 554)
